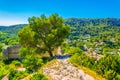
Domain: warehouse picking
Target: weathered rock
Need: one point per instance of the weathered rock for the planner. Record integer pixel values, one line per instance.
(11, 52)
(65, 71)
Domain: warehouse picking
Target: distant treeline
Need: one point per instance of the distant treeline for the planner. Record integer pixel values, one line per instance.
(73, 22)
(13, 29)
(93, 21)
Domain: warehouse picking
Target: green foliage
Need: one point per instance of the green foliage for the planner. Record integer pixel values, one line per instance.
(82, 59)
(13, 29)
(117, 77)
(108, 66)
(44, 33)
(0, 56)
(38, 76)
(65, 47)
(1, 47)
(32, 62)
(110, 75)
(4, 69)
(17, 63)
(17, 75)
(7, 39)
(26, 37)
(73, 50)
(24, 52)
(98, 34)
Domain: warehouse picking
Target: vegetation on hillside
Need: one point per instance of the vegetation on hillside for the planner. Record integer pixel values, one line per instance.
(108, 66)
(87, 37)
(101, 36)
(13, 29)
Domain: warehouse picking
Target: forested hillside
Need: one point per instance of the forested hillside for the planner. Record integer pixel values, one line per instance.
(99, 40)
(101, 35)
(92, 43)
(13, 29)
(93, 27)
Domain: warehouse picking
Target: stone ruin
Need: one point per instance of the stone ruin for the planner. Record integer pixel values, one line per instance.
(11, 52)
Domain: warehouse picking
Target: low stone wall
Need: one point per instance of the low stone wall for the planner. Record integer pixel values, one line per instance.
(11, 52)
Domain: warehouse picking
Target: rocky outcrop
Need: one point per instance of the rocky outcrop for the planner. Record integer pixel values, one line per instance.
(63, 70)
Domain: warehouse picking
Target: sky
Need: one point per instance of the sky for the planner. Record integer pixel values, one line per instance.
(18, 11)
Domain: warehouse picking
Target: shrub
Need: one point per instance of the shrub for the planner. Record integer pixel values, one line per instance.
(17, 75)
(0, 56)
(82, 59)
(110, 75)
(32, 62)
(74, 50)
(38, 76)
(108, 66)
(17, 63)
(4, 69)
(117, 77)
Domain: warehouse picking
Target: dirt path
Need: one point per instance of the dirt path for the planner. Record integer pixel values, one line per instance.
(63, 70)
(5, 77)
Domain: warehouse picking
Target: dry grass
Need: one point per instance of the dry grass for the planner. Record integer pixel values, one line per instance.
(90, 72)
(51, 63)
(48, 64)
(40, 70)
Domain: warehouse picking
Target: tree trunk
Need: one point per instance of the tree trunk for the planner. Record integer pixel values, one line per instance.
(50, 53)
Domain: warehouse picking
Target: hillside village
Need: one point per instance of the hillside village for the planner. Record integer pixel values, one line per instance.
(80, 56)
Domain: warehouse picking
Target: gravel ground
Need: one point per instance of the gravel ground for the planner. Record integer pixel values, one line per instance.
(63, 70)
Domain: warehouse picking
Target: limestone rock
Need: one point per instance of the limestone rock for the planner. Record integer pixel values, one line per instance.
(65, 71)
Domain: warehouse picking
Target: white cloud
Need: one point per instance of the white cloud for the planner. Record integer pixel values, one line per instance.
(7, 22)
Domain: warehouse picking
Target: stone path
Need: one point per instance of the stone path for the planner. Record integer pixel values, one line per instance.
(5, 77)
(63, 70)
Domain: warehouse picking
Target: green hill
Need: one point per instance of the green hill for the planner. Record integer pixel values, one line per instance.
(13, 29)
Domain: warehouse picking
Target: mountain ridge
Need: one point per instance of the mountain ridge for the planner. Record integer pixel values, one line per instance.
(73, 22)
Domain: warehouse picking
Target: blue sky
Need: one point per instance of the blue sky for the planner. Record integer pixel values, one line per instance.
(18, 11)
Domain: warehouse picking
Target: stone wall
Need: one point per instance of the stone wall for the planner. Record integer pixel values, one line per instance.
(11, 52)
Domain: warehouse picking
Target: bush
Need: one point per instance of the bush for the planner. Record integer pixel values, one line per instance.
(4, 69)
(117, 77)
(108, 66)
(23, 52)
(82, 59)
(73, 50)
(17, 63)
(0, 56)
(32, 62)
(110, 75)
(38, 76)
(17, 75)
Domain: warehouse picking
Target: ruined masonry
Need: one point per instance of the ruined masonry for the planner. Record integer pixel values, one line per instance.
(11, 52)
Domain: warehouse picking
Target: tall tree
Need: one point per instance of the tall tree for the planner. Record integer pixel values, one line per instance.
(44, 33)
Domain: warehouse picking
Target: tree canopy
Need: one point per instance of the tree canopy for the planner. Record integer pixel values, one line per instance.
(44, 33)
